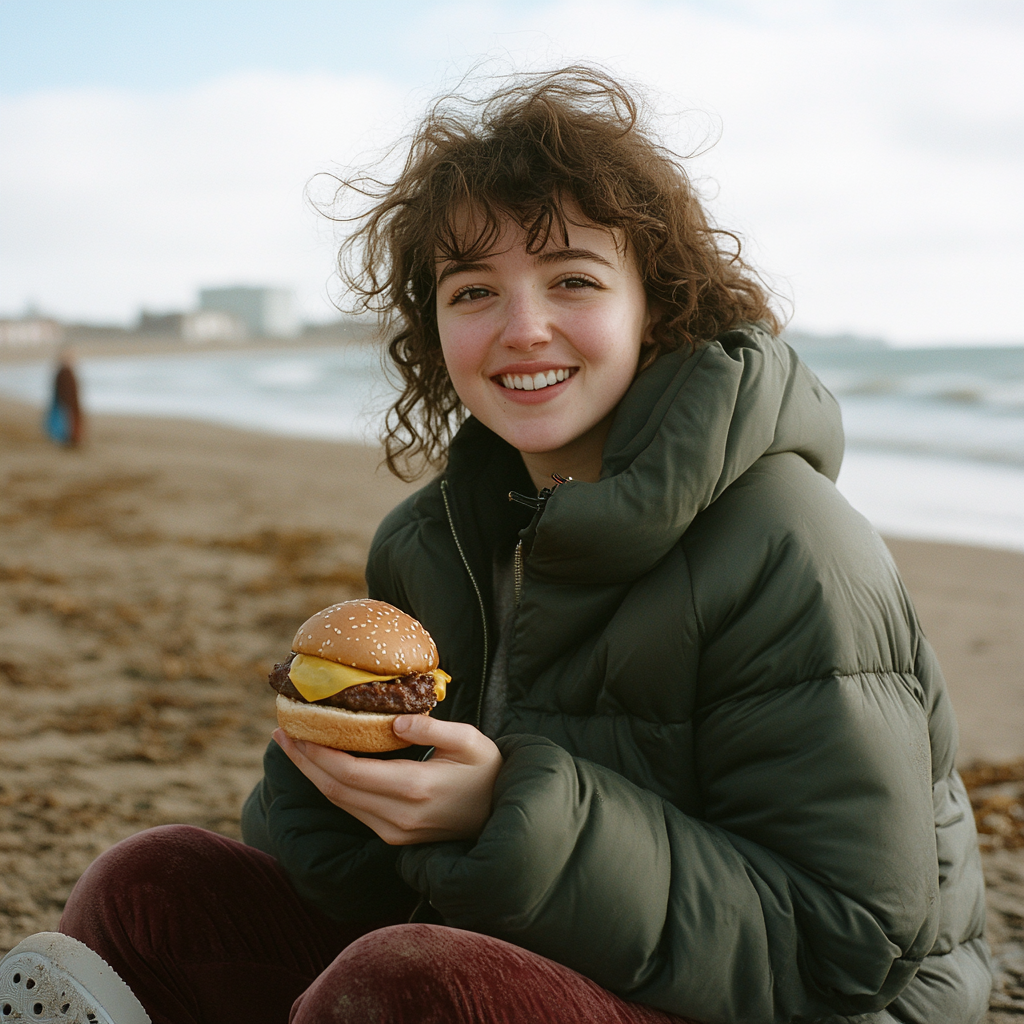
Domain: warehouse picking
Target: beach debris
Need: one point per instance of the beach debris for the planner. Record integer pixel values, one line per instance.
(997, 797)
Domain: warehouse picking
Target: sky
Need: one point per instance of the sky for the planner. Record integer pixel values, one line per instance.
(871, 154)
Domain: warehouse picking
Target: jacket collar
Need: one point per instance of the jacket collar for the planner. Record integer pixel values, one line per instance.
(689, 426)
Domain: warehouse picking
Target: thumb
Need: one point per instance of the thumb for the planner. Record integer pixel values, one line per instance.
(457, 740)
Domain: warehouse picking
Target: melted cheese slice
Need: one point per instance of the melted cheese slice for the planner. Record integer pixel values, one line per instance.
(316, 678)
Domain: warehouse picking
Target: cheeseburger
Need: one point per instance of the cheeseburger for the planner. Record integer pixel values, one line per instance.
(354, 668)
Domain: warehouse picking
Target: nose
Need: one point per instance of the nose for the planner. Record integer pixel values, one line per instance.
(525, 324)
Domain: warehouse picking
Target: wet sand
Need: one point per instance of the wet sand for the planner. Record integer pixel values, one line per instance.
(149, 580)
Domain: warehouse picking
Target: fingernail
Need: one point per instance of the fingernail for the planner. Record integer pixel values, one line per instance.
(402, 723)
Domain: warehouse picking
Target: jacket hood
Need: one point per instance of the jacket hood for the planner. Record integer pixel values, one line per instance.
(688, 427)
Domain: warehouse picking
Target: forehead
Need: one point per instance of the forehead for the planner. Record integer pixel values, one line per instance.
(473, 234)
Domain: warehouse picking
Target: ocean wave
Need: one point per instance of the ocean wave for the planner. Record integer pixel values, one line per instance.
(943, 389)
(967, 451)
(936, 498)
(992, 378)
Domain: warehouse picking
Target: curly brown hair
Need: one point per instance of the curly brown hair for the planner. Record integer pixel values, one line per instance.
(575, 137)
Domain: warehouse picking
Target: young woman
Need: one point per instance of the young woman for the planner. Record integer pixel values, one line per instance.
(696, 762)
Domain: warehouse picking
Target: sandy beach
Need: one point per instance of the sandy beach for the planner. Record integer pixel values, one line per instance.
(149, 580)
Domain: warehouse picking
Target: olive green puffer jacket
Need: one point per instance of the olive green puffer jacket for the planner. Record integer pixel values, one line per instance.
(728, 786)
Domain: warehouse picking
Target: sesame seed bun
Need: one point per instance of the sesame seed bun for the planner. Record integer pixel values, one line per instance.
(370, 635)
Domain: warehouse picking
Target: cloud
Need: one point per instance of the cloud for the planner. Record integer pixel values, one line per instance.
(114, 200)
(870, 153)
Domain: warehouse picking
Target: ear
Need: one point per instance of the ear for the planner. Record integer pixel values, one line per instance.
(655, 311)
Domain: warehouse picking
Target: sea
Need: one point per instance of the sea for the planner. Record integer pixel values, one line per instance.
(935, 436)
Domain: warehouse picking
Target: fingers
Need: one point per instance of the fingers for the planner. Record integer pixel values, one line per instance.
(390, 791)
(406, 801)
(397, 819)
(359, 805)
(335, 773)
(305, 757)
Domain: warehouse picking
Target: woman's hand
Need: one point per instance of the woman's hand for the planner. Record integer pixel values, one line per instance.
(406, 802)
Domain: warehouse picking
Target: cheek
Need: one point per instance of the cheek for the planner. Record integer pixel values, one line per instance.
(614, 345)
(618, 380)
(461, 358)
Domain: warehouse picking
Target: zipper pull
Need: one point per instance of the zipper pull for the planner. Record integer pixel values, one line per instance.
(534, 503)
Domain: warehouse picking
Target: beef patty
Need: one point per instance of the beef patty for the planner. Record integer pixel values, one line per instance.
(412, 694)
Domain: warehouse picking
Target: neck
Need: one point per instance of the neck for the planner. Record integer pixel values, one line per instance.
(580, 459)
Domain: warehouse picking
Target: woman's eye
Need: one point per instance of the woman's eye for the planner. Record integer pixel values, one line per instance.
(576, 282)
(468, 293)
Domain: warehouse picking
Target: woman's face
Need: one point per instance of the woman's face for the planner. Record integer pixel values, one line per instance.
(541, 347)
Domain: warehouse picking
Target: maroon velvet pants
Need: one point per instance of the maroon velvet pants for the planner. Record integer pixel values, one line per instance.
(206, 930)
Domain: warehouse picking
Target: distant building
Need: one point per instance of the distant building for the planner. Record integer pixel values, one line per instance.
(266, 312)
(206, 325)
(31, 330)
(212, 325)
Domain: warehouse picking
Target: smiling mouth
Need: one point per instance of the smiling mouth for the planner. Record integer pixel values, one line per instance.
(534, 381)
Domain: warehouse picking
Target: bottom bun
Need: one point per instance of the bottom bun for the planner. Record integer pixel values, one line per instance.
(365, 731)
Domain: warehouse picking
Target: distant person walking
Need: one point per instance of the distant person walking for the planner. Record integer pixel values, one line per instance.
(64, 421)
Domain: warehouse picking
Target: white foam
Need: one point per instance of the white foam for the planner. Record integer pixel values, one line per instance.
(937, 499)
(330, 394)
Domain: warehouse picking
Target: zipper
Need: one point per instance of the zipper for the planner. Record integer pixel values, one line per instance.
(537, 504)
(479, 598)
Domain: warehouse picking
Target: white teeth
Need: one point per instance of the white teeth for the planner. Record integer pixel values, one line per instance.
(536, 382)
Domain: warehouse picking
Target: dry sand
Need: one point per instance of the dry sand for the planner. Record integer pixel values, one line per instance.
(150, 579)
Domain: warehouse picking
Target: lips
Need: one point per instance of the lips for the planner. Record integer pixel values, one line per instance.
(534, 381)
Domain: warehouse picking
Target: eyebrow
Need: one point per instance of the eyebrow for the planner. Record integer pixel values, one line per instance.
(550, 256)
(461, 268)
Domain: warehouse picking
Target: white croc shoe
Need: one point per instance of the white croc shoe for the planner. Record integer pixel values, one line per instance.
(54, 979)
